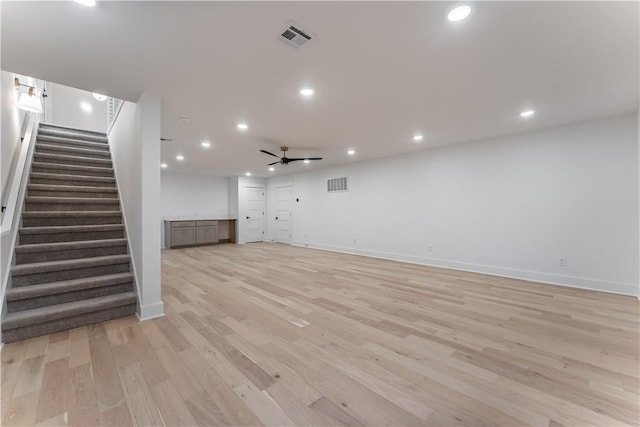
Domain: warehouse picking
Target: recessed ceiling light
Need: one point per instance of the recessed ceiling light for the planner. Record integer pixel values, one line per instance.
(307, 91)
(418, 137)
(527, 113)
(86, 2)
(163, 165)
(248, 174)
(86, 107)
(271, 168)
(180, 157)
(351, 152)
(99, 96)
(205, 144)
(459, 13)
(243, 126)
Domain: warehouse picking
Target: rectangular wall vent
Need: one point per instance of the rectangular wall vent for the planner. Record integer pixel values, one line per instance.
(335, 185)
(294, 35)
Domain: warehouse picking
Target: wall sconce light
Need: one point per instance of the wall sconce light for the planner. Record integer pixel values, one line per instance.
(28, 101)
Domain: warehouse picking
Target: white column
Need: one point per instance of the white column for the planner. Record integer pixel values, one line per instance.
(150, 275)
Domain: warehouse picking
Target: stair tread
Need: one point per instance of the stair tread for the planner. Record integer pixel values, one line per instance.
(78, 188)
(68, 158)
(52, 126)
(97, 200)
(64, 177)
(73, 135)
(77, 214)
(70, 167)
(67, 309)
(72, 142)
(41, 289)
(67, 264)
(50, 229)
(60, 246)
(71, 149)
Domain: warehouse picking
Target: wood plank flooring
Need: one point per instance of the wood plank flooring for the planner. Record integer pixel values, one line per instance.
(267, 334)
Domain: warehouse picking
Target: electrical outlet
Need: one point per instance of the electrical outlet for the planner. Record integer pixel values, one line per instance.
(563, 262)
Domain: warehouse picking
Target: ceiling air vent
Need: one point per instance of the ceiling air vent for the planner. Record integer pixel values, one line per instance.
(294, 35)
(335, 185)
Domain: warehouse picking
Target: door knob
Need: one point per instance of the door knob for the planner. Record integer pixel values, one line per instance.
(276, 217)
(247, 217)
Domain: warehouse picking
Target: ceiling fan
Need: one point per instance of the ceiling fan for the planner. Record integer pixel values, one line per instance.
(284, 160)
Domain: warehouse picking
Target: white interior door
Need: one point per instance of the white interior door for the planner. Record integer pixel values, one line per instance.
(254, 214)
(283, 214)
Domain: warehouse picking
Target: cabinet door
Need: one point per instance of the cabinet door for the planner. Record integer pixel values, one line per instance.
(177, 237)
(207, 234)
(212, 234)
(201, 235)
(189, 236)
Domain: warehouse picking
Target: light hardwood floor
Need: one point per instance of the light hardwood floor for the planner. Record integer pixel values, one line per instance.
(267, 334)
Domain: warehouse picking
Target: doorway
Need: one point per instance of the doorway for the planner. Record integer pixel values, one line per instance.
(283, 214)
(254, 213)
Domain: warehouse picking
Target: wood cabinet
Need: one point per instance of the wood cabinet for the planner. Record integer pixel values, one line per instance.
(206, 232)
(198, 232)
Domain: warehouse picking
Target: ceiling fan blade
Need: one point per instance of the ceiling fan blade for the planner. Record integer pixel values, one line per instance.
(304, 158)
(274, 163)
(271, 154)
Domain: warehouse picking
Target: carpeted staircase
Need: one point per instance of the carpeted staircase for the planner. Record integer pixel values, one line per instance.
(72, 266)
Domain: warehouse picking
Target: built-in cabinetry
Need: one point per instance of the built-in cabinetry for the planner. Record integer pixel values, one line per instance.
(198, 232)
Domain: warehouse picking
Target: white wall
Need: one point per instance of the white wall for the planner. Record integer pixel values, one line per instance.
(194, 196)
(11, 126)
(65, 108)
(135, 147)
(510, 206)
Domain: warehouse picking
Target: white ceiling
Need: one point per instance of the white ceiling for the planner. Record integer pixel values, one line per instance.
(381, 71)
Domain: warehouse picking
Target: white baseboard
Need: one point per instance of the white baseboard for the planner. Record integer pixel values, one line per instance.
(534, 276)
(150, 311)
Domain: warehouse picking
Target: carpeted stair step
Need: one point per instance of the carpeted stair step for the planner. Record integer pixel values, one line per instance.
(53, 271)
(70, 233)
(70, 142)
(70, 204)
(34, 296)
(76, 180)
(44, 190)
(63, 131)
(52, 218)
(72, 151)
(44, 252)
(45, 320)
(42, 167)
(71, 160)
